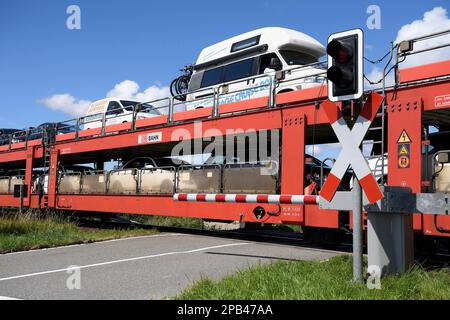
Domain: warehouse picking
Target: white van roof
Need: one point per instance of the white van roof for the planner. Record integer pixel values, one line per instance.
(274, 37)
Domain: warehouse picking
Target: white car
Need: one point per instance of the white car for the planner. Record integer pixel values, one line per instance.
(117, 111)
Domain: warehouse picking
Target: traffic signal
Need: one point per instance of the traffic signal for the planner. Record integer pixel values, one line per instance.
(345, 65)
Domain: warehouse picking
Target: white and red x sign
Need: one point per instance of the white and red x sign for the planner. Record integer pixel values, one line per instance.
(351, 154)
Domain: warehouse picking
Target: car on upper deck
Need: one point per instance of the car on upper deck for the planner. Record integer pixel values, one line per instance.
(257, 55)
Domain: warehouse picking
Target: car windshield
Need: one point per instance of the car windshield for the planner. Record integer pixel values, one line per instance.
(297, 58)
(145, 107)
(128, 105)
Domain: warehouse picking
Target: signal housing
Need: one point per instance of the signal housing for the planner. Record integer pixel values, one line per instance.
(345, 62)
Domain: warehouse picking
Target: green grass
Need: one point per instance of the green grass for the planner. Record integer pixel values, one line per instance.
(318, 280)
(27, 233)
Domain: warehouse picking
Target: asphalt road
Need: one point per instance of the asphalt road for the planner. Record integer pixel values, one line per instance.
(150, 267)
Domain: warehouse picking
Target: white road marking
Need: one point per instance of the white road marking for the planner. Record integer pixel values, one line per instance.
(124, 260)
(8, 298)
(94, 243)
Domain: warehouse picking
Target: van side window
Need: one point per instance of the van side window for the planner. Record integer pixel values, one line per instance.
(212, 77)
(114, 108)
(238, 70)
(264, 63)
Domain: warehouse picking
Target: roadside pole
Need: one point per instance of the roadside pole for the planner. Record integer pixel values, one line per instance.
(357, 232)
(357, 220)
(21, 199)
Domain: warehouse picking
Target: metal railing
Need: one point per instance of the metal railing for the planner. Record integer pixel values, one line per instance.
(158, 180)
(7, 183)
(169, 180)
(434, 166)
(251, 177)
(204, 178)
(123, 181)
(95, 182)
(321, 72)
(128, 114)
(406, 48)
(24, 136)
(214, 94)
(208, 94)
(69, 183)
(223, 90)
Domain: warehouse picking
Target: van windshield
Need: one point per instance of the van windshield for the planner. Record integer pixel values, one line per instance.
(297, 58)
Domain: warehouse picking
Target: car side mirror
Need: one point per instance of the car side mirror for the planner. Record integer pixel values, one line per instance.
(275, 64)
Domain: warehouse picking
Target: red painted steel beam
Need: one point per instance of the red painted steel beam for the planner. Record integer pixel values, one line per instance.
(427, 71)
(53, 178)
(164, 206)
(29, 175)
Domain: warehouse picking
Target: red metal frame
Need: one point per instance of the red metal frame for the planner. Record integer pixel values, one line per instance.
(295, 112)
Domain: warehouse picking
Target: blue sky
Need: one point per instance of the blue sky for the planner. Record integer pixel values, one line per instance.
(149, 41)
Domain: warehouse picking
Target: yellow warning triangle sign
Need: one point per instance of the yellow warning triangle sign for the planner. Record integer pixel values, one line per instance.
(404, 138)
(404, 151)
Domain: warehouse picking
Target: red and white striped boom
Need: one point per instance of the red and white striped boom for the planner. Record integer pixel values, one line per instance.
(247, 198)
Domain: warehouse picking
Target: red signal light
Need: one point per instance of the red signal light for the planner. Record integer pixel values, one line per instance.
(339, 51)
(345, 65)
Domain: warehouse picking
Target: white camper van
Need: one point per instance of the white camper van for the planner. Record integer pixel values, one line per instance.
(259, 52)
(116, 111)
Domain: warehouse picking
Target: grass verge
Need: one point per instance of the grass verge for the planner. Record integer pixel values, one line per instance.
(308, 280)
(27, 233)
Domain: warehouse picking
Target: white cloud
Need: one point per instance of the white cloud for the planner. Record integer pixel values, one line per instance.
(153, 93)
(375, 75)
(322, 151)
(67, 104)
(126, 89)
(433, 21)
(130, 90)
